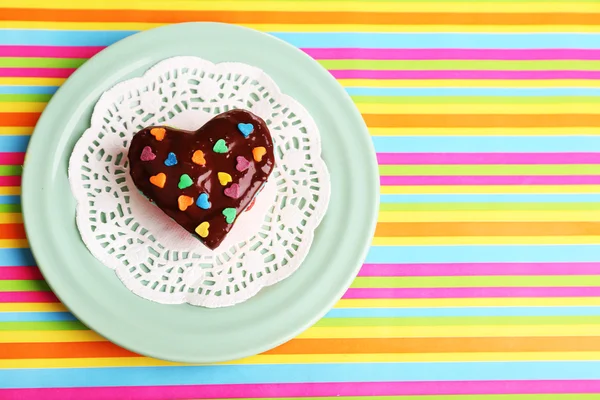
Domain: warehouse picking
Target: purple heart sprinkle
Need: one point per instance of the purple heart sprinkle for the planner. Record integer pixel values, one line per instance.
(242, 164)
(147, 154)
(232, 191)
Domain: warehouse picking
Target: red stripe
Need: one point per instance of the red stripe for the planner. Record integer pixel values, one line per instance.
(20, 273)
(49, 51)
(28, 297)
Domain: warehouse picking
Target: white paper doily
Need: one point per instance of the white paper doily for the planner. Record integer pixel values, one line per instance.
(151, 254)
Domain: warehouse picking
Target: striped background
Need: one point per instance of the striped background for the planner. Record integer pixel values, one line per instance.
(484, 275)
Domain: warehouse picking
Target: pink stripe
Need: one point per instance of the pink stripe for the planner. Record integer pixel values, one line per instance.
(36, 72)
(10, 180)
(306, 390)
(492, 180)
(479, 269)
(456, 74)
(485, 158)
(26, 273)
(12, 158)
(28, 297)
(49, 51)
(479, 292)
(451, 54)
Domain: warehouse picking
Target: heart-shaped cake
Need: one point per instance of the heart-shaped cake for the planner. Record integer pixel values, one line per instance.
(204, 179)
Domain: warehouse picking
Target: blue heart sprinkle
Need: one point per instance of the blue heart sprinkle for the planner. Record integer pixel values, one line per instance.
(171, 160)
(246, 129)
(203, 202)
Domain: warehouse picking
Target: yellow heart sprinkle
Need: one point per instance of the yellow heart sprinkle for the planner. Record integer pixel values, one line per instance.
(198, 157)
(224, 178)
(158, 180)
(258, 153)
(158, 133)
(184, 202)
(202, 229)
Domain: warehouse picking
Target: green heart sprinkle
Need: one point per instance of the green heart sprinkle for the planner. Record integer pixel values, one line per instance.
(220, 146)
(185, 181)
(229, 214)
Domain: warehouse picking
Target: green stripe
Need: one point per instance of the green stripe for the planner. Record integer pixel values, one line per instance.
(487, 206)
(458, 321)
(10, 170)
(34, 62)
(10, 208)
(481, 170)
(476, 281)
(476, 99)
(23, 286)
(21, 98)
(43, 326)
(494, 65)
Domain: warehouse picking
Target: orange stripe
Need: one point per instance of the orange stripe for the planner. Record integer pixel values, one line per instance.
(62, 350)
(18, 119)
(429, 229)
(288, 17)
(481, 120)
(12, 231)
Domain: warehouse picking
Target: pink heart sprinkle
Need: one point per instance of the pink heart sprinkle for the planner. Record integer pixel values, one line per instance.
(242, 164)
(147, 154)
(232, 191)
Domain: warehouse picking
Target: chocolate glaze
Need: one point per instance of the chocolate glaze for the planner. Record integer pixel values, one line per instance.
(183, 144)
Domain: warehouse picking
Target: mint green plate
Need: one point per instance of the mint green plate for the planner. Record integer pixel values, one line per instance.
(183, 332)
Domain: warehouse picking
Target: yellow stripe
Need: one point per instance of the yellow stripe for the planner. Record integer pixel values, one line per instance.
(21, 107)
(14, 244)
(495, 215)
(487, 83)
(470, 302)
(303, 359)
(10, 190)
(49, 336)
(11, 218)
(476, 189)
(32, 307)
(488, 7)
(141, 26)
(483, 131)
(31, 81)
(478, 240)
(565, 108)
(15, 130)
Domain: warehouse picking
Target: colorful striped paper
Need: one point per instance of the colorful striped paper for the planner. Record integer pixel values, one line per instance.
(483, 281)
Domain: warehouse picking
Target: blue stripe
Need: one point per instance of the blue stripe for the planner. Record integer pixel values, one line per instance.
(14, 143)
(521, 92)
(16, 257)
(28, 89)
(302, 373)
(10, 199)
(463, 312)
(476, 144)
(490, 198)
(36, 316)
(334, 39)
(484, 253)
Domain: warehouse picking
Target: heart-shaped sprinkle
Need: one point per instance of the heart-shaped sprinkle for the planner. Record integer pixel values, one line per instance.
(198, 157)
(184, 202)
(246, 129)
(224, 178)
(242, 164)
(203, 202)
(229, 214)
(158, 133)
(232, 191)
(202, 229)
(147, 154)
(171, 160)
(220, 147)
(184, 181)
(158, 180)
(258, 153)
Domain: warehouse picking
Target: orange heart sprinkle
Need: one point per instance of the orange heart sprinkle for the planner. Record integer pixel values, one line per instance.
(184, 202)
(158, 180)
(198, 157)
(158, 133)
(258, 153)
